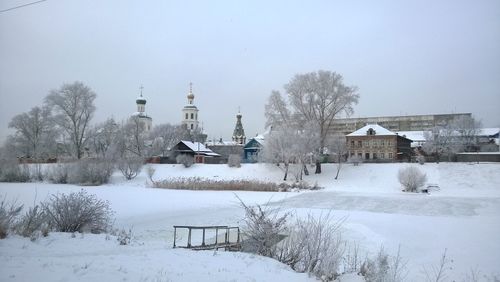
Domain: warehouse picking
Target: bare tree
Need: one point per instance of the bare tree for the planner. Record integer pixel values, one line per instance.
(316, 97)
(73, 105)
(292, 147)
(134, 137)
(34, 135)
(338, 147)
(164, 137)
(467, 129)
(278, 148)
(103, 139)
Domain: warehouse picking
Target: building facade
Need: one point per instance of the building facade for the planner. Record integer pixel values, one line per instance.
(374, 143)
(239, 133)
(190, 112)
(140, 115)
(396, 123)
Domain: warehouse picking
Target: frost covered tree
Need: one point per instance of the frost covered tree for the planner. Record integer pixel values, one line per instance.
(34, 133)
(458, 135)
(133, 138)
(338, 148)
(103, 139)
(164, 137)
(467, 129)
(411, 178)
(316, 97)
(73, 108)
(291, 146)
(278, 148)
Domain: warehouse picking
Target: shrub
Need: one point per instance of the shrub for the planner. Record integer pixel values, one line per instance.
(355, 160)
(411, 178)
(90, 172)
(384, 268)
(32, 222)
(12, 171)
(130, 167)
(78, 212)
(263, 229)
(234, 160)
(313, 246)
(150, 171)
(185, 160)
(8, 214)
(420, 159)
(58, 173)
(124, 237)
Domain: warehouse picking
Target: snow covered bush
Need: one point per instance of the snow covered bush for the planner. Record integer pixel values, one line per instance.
(384, 268)
(78, 212)
(234, 160)
(8, 214)
(124, 237)
(11, 171)
(32, 223)
(90, 172)
(263, 229)
(411, 178)
(313, 246)
(420, 159)
(185, 160)
(354, 160)
(130, 167)
(58, 173)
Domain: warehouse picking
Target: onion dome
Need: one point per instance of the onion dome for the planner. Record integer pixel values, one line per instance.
(190, 96)
(141, 100)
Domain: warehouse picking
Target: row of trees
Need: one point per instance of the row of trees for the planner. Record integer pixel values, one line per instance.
(62, 127)
(459, 135)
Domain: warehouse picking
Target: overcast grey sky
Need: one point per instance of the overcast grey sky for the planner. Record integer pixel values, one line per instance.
(406, 57)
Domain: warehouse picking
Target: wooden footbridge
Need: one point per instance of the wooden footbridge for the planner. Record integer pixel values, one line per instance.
(212, 237)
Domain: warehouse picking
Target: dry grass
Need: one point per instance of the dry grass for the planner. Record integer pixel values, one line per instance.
(197, 183)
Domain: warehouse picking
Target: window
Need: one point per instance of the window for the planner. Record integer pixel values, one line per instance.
(390, 155)
(360, 155)
(352, 143)
(382, 142)
(192, 116)
(359, 144)
(382, 156)
(187, 116)
(191, 126)
(374, 156)
(367, 156)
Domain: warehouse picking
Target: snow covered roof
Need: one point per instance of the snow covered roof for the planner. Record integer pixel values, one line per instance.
(140, 114)
(415, 136)
(488, 131)
(199, 148)
(220, 143)
(377, 131)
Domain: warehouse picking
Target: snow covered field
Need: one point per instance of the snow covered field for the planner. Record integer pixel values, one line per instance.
(463, 216)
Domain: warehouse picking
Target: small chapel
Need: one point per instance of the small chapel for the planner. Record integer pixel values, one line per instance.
(141, 115)
(190, 112)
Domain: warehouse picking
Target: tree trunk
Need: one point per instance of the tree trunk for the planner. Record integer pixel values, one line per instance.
(318, 167)
(338, 170)
(286, 172)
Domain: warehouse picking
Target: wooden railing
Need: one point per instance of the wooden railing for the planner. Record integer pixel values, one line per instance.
(221, 230)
